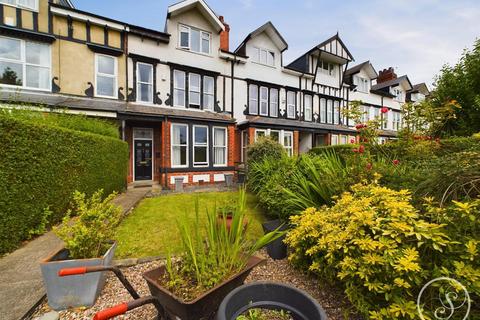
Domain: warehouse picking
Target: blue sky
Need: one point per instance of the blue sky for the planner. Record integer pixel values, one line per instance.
(416, 37)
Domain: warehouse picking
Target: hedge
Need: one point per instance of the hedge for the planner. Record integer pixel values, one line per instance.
(340, 149)
(42, 165)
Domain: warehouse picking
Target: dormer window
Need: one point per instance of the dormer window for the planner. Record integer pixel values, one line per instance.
(263, 56)
(194, 39)
(326, 68)
(398, 95)
(363, 85)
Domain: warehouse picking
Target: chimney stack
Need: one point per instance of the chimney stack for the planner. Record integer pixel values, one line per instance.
(224, 36)
(386, 75)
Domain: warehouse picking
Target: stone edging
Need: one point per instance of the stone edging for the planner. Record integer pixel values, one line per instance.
(134, 261)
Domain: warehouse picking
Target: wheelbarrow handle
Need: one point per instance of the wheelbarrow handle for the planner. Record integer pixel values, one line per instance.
(124, 307)
(111, 312)
(83, 270)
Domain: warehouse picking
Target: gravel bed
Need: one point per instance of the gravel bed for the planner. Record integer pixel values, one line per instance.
(331, 299)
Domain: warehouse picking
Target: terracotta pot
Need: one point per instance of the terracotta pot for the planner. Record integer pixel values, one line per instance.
(229, 220)
(204, 306)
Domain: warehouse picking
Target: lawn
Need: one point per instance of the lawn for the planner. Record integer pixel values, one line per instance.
(151, 229)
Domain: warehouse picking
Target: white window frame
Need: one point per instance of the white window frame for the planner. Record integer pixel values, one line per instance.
(202, 33)
(24, 64)
(268, 53)
(330, 111)
(115, 76)
(201, 145)
(184, 89)
(334, 139)
(147, 83)
(263, 101)
(257, 131)
(17, 4)
(310, 107)
(191, 91)
(211, 94)
(245, 140)
(329, 71)
(274, 104)
(288, 148)
(289, 105)
(323, 110)
(336, 112)
(363, 84)
(250, 99)
(398, 95)
(225, 147)
(172, 145)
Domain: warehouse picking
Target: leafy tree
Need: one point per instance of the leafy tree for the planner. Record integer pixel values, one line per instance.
(460, 84)
(9, 76)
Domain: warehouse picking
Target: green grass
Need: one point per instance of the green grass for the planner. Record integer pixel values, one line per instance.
(151, 229)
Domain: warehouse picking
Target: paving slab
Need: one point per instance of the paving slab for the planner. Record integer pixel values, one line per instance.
(21, 284)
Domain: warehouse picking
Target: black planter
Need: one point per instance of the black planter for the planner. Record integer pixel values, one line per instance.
(277, 250)
(273, 296)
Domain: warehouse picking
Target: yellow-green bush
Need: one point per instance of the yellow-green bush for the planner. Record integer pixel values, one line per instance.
(373, 241)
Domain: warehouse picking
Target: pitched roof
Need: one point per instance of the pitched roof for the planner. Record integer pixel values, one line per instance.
(66, 3)
(186, 5)
(348, 75)
(333, 46)
(420, 87)
(271, 31)
(392, 83)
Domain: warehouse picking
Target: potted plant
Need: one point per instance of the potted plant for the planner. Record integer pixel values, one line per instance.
(226, 212)
(276, 249)
(213, 262)
(87, 230)
(269, 300)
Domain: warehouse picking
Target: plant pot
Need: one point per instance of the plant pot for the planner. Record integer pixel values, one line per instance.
(203, 306)
(73, 291)
(277, 250)
(273, 296)
(229, 220)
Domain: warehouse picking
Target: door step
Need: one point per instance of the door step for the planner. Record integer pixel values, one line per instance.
(144, 184)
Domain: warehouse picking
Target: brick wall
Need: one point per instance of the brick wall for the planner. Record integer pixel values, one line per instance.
(296, 142)
(232, 145)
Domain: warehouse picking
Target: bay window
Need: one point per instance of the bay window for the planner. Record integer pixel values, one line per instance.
(291, 104)
(285, 138)
(179, 141)
(178, 88)
(288, 142)
(260, 133)
(194, 89)
(274, 102)
(194, 39)
(200, 146)
(263, 101)
(25, 64)
(253, 99)
(106, 76)
(144, 82)
(220, 146)
(244, 145)
(208, 93)
(308, 108)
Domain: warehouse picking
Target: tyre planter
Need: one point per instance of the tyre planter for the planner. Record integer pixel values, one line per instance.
(272, 296)
(276, 250)
(74, 291)
(204, 306)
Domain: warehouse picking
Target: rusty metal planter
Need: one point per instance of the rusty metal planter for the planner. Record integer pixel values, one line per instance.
(74, 291)
(204, 306)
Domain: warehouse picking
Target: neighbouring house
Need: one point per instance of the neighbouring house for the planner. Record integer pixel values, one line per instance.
(418, 93)
(187, 104)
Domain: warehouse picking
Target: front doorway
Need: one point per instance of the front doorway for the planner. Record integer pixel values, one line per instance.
(143, 151)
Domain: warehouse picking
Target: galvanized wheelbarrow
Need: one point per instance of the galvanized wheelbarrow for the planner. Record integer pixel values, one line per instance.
(167, 304)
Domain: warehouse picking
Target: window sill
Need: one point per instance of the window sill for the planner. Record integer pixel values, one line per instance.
(209, 55)
(9, 86)
(106, 97)
(265, 65)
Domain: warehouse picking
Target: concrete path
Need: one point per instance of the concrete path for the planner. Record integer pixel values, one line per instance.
(21, 284)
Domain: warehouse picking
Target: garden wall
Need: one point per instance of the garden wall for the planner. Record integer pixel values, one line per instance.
(41, 165)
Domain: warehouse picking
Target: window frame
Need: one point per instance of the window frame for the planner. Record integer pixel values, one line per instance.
(329, 71)
(20, 6)
(310, 119)
(276, 103)
(202, 145)
(215, 146)
(330, 111)
(190, 90)
(250, 99)
(115, 76)
(174, 87)
(294, 104)
(289, 149)
(264, 101)
(323, 110)
(267, 52)
(244, 142)
(201, 34)
(187, 145)
(23, 62)
(204, 93)
(141, 82)
(336, 112)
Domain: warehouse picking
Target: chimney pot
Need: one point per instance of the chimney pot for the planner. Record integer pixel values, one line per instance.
(386, 75)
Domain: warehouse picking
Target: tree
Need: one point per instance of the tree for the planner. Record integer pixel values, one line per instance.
(9, 76)
(460, 84)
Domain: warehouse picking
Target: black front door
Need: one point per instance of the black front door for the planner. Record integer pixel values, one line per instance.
(143, 160)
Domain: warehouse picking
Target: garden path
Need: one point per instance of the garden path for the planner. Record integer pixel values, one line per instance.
(21, 284)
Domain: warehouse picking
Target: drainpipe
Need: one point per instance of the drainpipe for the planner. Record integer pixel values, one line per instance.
(123, 130)
(165, 169)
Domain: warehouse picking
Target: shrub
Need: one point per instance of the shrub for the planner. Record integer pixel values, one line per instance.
(264, 147)
(42, 165)
(88, 229)
(343, 150)
(375, 242)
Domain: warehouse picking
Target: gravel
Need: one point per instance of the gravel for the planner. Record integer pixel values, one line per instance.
(332, 300)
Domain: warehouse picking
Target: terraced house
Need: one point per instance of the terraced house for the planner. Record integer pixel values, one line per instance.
(187, 104)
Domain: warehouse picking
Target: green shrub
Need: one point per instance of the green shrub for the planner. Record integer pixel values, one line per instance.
(343, 150)
(88, 228)
(375, 242)
(42, 165)
(264, 147)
